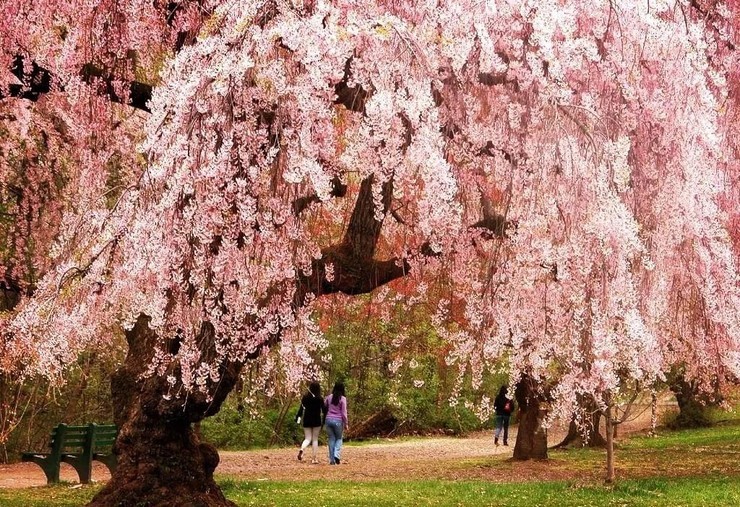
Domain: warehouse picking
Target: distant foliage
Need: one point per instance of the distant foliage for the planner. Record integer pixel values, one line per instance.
(396, 373)
(399, 366)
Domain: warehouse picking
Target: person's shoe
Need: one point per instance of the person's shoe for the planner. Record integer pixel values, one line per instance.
(495, 441)
(336, 460)
(506, 444)
(300, 455)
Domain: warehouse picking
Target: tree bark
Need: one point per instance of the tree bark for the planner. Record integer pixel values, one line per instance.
(161, 460)
(609, 444)
(39, 81)
(653, 413)
(691, 405)
(531, 437)
(575, 437)
(10, 294)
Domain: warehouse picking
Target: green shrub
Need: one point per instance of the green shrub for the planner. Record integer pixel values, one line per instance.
(235, 429)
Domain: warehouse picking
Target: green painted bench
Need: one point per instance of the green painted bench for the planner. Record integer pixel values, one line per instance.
(78, 446)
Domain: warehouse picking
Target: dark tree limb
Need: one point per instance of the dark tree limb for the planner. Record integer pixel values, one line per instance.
(10, 293)
(494, 225)
(338, 189)
(351, 266)
(355, 270)
(353, 98)
(397, 216)
(172, 9)
(490, 149)
(138, 96)
(363, 231)
(351, 275)
(38, 81)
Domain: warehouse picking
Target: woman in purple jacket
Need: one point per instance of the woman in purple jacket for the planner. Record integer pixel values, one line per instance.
(336, 421)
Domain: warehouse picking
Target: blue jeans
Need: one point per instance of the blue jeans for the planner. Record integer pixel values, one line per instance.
(334, 429)
(502, 422)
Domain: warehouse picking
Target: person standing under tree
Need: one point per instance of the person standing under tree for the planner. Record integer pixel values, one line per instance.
(313, 411)
(503, 407)
(336, 422)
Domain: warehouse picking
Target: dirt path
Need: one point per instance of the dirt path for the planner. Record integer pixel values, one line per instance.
(432, 458)
(384, 459)
(420, 458)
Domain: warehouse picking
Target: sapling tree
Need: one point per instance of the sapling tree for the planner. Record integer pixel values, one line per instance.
(561, 164)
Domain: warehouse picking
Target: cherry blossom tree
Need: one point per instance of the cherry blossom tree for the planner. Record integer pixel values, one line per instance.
(564, 167)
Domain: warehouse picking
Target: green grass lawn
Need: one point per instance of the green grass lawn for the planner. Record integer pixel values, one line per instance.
(657, 492)
(650, 492)
(683, 468)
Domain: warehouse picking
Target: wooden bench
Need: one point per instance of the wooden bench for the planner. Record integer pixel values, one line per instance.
(78, 446)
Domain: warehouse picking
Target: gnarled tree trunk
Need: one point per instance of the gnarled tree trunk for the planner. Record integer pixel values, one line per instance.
(593, 438)
(531, 437)
(161, 460)
(692, 405)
